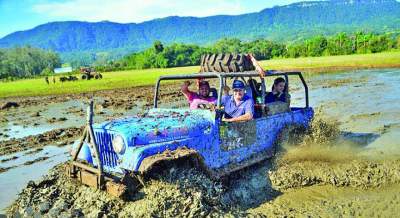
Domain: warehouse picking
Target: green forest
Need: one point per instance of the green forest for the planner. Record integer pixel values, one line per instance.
(175, 55)
(24, 62)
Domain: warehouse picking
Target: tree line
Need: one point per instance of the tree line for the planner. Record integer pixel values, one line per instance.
(177, 55)
(25, 62)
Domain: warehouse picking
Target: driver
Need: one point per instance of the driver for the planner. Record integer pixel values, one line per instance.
(200, 98)
(239, 106)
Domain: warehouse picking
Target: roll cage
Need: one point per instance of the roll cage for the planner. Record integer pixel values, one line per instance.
(222, 81)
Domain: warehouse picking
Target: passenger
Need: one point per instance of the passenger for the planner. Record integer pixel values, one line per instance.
(278, 91)
(197, 99)
(238, 107)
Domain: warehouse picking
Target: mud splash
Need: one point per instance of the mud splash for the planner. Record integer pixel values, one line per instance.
(178, 193)
(327, 156)
(330, 172)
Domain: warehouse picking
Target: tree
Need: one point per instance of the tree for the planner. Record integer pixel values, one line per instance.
(316, 46)
(26, 61)
(398, 42)
(158, 46)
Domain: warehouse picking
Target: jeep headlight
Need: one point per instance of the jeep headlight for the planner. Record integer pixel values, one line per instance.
(118, 144)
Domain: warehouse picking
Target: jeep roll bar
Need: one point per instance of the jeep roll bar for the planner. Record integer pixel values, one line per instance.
(223, 76)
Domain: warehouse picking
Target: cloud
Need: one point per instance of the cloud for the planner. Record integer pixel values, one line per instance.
(126, 11)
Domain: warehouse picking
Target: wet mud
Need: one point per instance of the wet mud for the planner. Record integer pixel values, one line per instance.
(119, 98)
(56, 137)
(347, 164)
(178, 193)
(315, 167)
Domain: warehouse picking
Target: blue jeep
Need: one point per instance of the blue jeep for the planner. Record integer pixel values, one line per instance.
(110, 152)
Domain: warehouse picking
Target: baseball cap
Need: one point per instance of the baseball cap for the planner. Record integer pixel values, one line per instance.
(237, 84)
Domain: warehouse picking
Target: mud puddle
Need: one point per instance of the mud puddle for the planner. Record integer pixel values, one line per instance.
(26, 166)
(34, 120)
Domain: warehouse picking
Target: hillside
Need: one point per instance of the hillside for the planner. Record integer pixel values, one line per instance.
(284, 23)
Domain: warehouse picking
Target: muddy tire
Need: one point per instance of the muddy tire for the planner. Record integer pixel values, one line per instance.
(225, 63)
(84, 76)
(153, 165)
(97, 76)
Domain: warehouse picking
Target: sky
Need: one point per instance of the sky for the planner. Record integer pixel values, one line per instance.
(18, 15)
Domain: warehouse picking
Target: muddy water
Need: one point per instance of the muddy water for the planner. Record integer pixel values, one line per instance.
(357, 174)
(346, 175)
(26, 166)
(37, 119)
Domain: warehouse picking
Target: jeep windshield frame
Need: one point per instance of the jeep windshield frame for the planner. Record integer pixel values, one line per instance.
(222, 76)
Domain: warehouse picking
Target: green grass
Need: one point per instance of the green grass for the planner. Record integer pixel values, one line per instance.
(131, 78)
(111, 80)
(332, 63)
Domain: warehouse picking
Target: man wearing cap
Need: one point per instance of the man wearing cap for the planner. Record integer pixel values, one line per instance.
(238, 107)
(196, 99)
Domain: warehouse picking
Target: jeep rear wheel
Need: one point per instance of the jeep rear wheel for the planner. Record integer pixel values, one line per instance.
(225, 63)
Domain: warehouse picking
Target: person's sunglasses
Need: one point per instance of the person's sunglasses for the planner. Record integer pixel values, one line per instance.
(238, 90)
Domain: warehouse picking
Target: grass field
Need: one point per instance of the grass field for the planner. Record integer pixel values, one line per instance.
(131, 78)
(334, 63)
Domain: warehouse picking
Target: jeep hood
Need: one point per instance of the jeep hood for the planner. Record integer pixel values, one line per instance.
(159, 125)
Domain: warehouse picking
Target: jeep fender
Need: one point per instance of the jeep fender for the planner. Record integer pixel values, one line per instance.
(181, 153)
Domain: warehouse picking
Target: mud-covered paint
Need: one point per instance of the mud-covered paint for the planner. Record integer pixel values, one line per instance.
(168, 129)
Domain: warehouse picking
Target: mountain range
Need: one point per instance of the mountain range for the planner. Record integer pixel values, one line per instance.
(281, 23)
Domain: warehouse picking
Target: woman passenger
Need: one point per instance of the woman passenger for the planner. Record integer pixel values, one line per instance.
(278, 91)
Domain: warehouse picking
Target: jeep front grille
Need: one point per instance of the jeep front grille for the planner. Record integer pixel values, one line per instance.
(104, 143)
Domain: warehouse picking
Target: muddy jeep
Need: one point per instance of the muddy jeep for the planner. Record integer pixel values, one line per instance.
(115, 155)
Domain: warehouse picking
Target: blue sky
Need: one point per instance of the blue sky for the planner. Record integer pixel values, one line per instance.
(26, 14)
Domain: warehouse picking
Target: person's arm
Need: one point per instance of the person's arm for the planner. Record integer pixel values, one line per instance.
(185, 90)
(244, 117)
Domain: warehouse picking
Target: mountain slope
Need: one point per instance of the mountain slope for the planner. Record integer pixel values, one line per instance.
(291, 22)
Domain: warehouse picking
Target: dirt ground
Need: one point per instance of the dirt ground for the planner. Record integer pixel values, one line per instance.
(347, 166)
